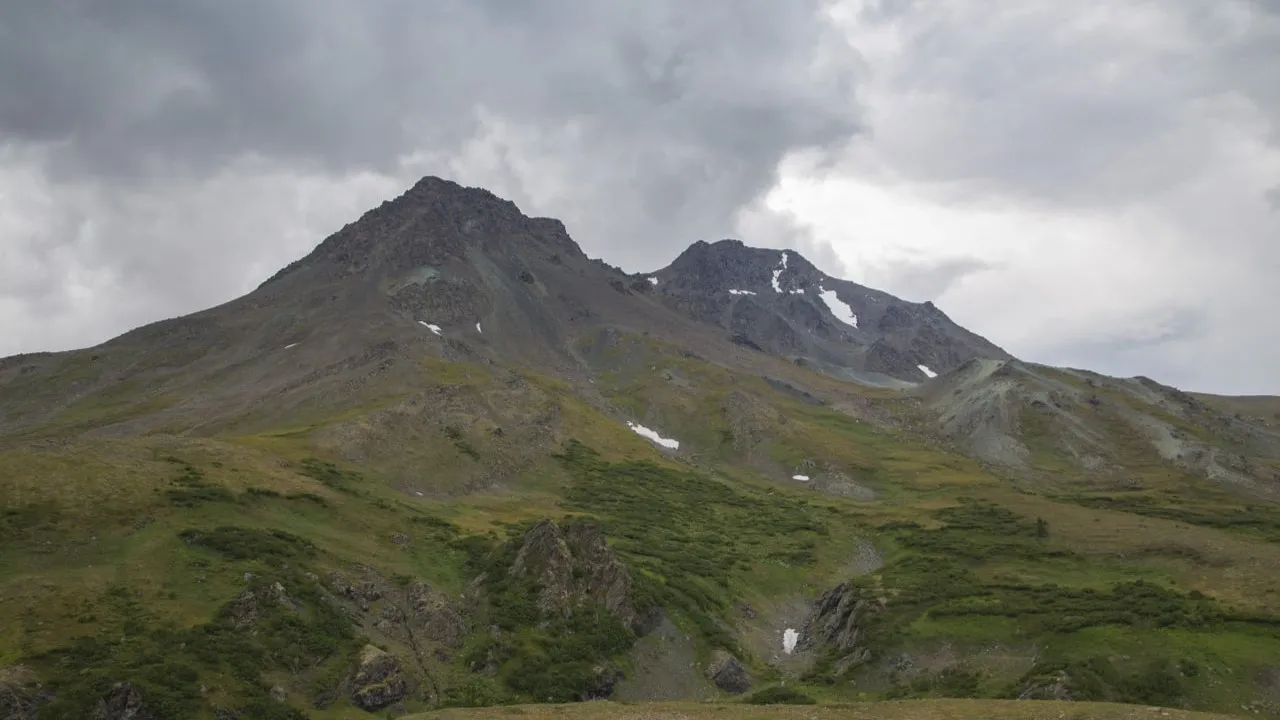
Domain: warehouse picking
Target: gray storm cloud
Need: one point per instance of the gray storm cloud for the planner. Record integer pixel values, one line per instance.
(157, 157)
(153, 132)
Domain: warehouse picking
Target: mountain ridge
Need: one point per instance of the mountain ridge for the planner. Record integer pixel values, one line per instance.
(446, 459)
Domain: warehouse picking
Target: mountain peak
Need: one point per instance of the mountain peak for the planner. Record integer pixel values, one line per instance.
(430, 223)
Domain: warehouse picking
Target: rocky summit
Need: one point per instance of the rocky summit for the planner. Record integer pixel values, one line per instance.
(447, 460)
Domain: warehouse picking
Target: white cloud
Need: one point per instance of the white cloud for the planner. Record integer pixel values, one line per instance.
(1082, 185)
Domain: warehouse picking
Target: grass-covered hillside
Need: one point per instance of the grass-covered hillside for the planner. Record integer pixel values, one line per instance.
(392, 557)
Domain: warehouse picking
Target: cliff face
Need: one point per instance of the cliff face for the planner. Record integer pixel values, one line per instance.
(837, 625)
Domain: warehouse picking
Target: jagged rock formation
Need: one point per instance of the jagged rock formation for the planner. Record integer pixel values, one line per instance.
(836, 625)
(575, 565)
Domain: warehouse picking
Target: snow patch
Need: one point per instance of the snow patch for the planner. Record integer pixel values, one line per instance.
(654, 436)
(742, 292)
(653, 281)
(478, 329)
(418, 493)
(789, 640)
(777, 273)
(927, 372)
(801, 478)
(286, 347)
(838, 307)
(433, 328)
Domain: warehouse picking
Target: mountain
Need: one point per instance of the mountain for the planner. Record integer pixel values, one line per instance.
(779, 302)
(446, 459)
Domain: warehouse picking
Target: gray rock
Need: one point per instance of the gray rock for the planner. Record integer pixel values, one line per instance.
(279, 694)
(437, 615)
(122, 702)
(728, 673)
(574, 565)
(837, 623)
(379, 680)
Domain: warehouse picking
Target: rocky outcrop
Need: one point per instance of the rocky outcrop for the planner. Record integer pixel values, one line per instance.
(362, 592)
(258, 599)
(837, 624)
(606, 677)
(574, 565)
(1056, 686)
(728, 673)
(21, 693)
(122, 702)
(412, 615)
(435, 615)
(379, 680)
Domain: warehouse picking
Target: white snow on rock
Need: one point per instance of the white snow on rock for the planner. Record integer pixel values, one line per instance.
(742, 292)
(927, 372)
(478, 329)
(838, 307)
(777, 273)
(653, 281)
(433, 328)
(654, 436)
(286, 347)
(789, 639)
(801, 478)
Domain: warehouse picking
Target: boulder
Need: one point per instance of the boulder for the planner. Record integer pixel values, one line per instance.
(728, 673)
(379, 680)
(122, 702)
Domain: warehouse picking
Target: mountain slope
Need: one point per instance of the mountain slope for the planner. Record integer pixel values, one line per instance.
(447, 459)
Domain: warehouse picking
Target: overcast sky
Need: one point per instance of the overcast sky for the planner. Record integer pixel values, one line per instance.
(1093, 183)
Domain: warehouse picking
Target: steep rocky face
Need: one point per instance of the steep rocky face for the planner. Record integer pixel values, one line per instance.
(779, 302)
(837, 625)
(573, 565)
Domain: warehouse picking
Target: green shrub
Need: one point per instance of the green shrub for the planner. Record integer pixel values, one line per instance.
(330, 475)
(779, 695)
(654, 515)
(240, 543)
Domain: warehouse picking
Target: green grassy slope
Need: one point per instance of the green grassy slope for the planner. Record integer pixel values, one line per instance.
(155, 559)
